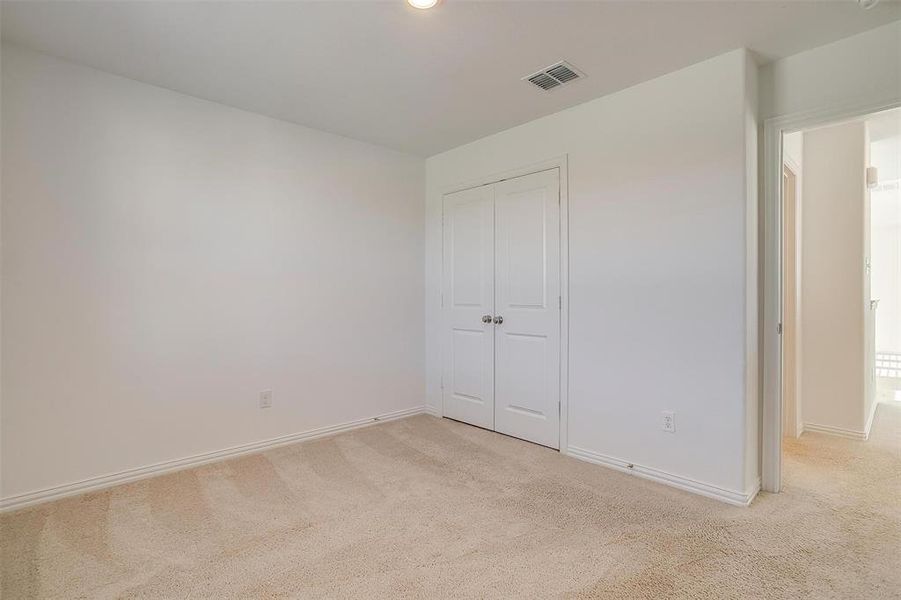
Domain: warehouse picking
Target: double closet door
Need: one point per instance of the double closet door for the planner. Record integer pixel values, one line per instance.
(501, 305)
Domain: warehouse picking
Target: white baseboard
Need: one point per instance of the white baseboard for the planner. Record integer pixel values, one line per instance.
(432, 410)
(872, 416)
(97, 483)
(837, 431)
(676, 481)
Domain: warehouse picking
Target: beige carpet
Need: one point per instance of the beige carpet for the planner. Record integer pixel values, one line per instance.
(430, 508)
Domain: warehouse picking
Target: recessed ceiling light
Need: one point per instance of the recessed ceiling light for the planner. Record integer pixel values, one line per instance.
(422, 4)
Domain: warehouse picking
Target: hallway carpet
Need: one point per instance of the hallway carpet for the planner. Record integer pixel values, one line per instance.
(430, 508)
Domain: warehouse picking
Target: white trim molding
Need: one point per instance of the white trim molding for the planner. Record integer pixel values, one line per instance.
(798, 424)
(105, 481)
(869, 426)
(836, 431)
(676, 481)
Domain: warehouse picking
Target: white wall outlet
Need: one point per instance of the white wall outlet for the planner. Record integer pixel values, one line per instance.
(669, 421)
(266, 399)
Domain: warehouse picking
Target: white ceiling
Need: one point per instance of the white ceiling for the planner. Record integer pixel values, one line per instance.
(884, 125)
(417, 81)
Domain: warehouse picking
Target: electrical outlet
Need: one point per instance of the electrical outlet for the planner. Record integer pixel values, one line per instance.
(669, 421)
(266, 399)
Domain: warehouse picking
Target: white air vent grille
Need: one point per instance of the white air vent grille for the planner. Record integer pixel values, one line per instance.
(554, 76)
(544, 81)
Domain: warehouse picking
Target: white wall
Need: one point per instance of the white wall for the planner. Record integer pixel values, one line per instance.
(166, 258)
(865, 68)
(752, 271)
(832, 298)
(660, 208)
(793, 149)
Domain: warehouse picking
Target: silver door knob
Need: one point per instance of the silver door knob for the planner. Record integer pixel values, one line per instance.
(498, 320)
(486, 318)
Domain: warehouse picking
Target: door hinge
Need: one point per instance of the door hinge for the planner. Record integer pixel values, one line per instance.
(442, 300)
(560, 302)
(779, 329)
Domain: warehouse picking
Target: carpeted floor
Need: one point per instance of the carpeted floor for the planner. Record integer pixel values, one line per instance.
(430, 508)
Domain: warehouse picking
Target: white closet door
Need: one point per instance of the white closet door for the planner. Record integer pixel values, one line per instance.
(468, 299)
(527, 297)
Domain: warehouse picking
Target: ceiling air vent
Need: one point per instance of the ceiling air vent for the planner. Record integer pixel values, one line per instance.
(554, 76)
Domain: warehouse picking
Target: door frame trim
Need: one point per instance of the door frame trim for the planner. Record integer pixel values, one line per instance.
(795, 169)
(773, 130)
(561, 163)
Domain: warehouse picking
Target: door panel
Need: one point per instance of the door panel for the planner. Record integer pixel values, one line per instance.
(468, 294)
(790, 425)
(527, 280)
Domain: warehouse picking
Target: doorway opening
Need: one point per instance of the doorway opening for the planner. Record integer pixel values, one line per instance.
(837, 342)
(884, 187)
